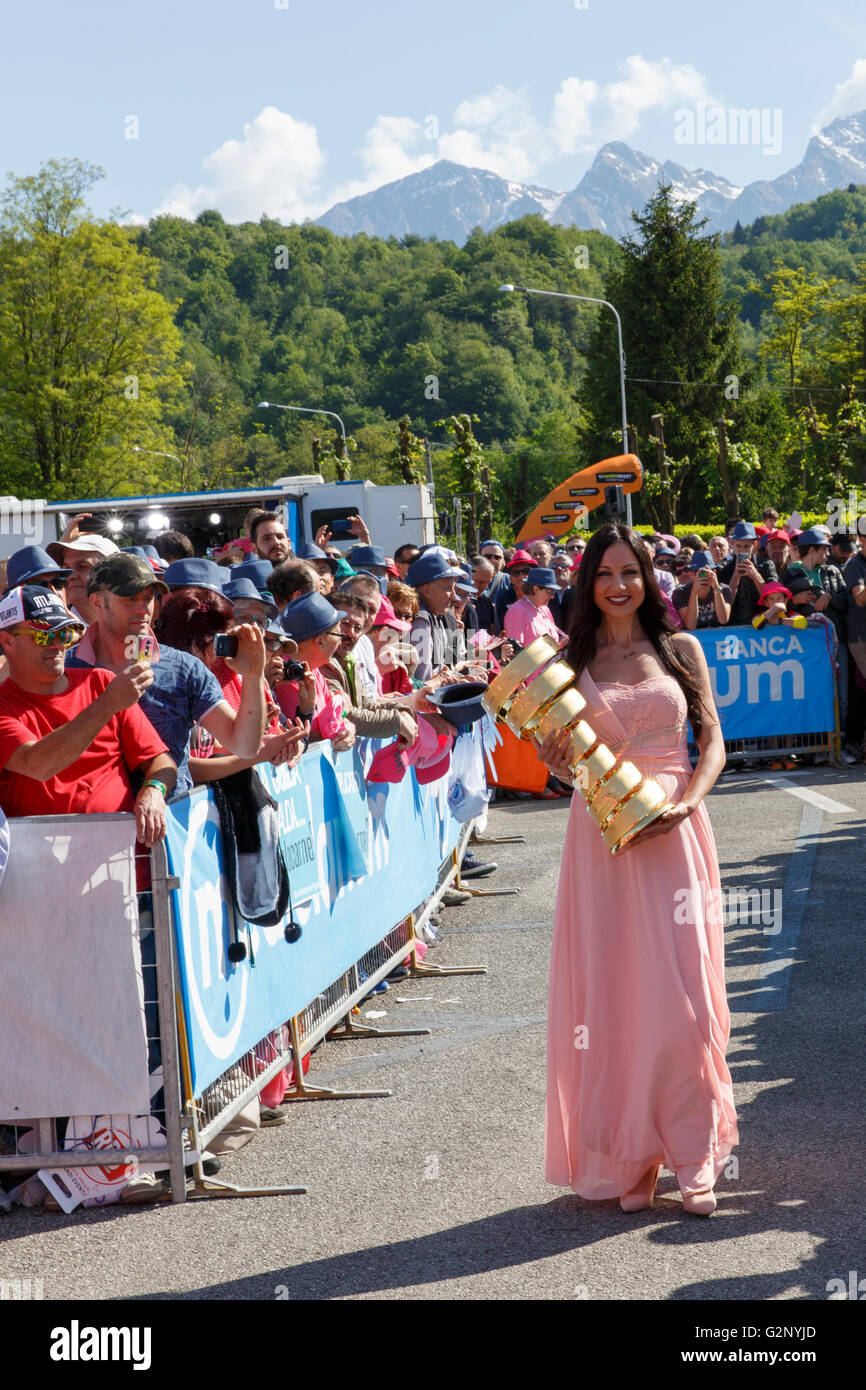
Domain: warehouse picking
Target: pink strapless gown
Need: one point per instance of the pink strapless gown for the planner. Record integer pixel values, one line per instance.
(641, 966)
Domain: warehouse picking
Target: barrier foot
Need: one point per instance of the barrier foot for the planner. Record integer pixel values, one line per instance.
(325, 1093)
(485, 892)
(479, 892)
(420, 968)
(349, 1029)
(498, 840)
(208, 1187)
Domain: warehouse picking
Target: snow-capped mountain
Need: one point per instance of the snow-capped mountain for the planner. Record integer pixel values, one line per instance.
(448, 200)
(622, 179)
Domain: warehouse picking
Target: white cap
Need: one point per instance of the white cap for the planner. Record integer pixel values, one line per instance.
(89, 541)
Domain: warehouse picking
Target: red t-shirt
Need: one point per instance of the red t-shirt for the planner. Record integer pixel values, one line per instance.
(98, 781)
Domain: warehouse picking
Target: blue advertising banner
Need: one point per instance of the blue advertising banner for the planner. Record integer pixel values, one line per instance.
(361, 857)
(770, 681)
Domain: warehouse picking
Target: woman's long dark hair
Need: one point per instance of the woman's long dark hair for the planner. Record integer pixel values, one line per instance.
(653, 616)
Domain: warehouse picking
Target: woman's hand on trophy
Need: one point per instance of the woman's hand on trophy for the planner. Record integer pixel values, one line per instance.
(672, 818)
(555, 752)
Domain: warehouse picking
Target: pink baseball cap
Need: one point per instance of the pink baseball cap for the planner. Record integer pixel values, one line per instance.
(389, 764)
(386, 617)
(430, 754)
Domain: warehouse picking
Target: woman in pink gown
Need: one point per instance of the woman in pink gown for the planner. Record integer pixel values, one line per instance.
(638, 1019)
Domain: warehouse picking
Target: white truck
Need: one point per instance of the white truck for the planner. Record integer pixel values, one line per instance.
(395, 515)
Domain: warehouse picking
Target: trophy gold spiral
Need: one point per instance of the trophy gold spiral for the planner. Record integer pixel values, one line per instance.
(536, 695)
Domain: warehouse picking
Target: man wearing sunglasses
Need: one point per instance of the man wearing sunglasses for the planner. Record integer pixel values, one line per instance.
(70, 740)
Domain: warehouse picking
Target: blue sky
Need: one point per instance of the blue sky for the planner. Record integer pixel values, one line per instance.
(285, 106)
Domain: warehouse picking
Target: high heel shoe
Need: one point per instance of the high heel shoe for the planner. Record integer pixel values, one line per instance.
(641, 1197)
(700, 1203)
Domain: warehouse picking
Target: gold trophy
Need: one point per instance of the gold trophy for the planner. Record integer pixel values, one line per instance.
(536, 695)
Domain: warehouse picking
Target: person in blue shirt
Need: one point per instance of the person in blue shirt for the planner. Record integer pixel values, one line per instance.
(123, 591)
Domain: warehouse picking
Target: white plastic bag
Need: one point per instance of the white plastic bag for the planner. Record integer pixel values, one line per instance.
(467, 783)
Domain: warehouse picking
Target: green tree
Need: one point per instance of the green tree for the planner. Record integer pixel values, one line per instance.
(407, 459)
(799, 302)
(677, 328)
(88, 349)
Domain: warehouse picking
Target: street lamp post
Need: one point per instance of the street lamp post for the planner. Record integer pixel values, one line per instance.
(588, 299)
(309, 410)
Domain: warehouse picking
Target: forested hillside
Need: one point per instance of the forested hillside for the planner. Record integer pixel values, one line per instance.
(764, 329)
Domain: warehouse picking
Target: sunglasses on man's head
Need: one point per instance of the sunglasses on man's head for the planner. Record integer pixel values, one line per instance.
(60, 636)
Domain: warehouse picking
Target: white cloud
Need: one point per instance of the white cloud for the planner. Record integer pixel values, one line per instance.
(277, 166)
(848, 98)
(498, 131)
(386, 156)
(571, 122)
(647, 86)
(274, 169)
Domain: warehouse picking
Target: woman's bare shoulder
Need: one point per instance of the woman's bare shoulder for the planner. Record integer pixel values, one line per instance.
(687, 646)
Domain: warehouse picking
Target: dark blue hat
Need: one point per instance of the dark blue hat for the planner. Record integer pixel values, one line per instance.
(460, 704)
(814, 536)
(362, 556)
(430, 566)
(467, 588)
(309, 616)
(544, 578)
(245, 588)
(492, 542)
(743, 531)
(309, 551)
(276, 629)
(702, 560)
(149, 554)
(259, 571)
(195, 574)
(32, 560)
(666, 552)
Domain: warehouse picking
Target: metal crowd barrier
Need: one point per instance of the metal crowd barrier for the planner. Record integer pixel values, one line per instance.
(190, 1123)
(40, 1136)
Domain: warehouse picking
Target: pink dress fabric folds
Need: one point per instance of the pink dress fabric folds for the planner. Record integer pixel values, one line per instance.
(638, 1020)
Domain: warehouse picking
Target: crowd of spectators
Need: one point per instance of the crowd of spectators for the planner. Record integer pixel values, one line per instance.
(128, 676)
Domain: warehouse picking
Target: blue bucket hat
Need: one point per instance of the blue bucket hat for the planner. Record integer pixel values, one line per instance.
(259, 571)
(245, 588)
(743, 531)
(702, 560)
(430, 566)
(308, 616)
(149, 554)
(460, 704)
(814, 536)
(544, 578)
(362, 556)
(195, 574)
(24, 566)
(309, 551)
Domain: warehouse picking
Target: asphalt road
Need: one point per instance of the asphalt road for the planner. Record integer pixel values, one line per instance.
(437, 1192)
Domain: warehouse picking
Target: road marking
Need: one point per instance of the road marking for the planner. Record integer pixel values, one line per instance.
(824, 803)
(781, 953)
